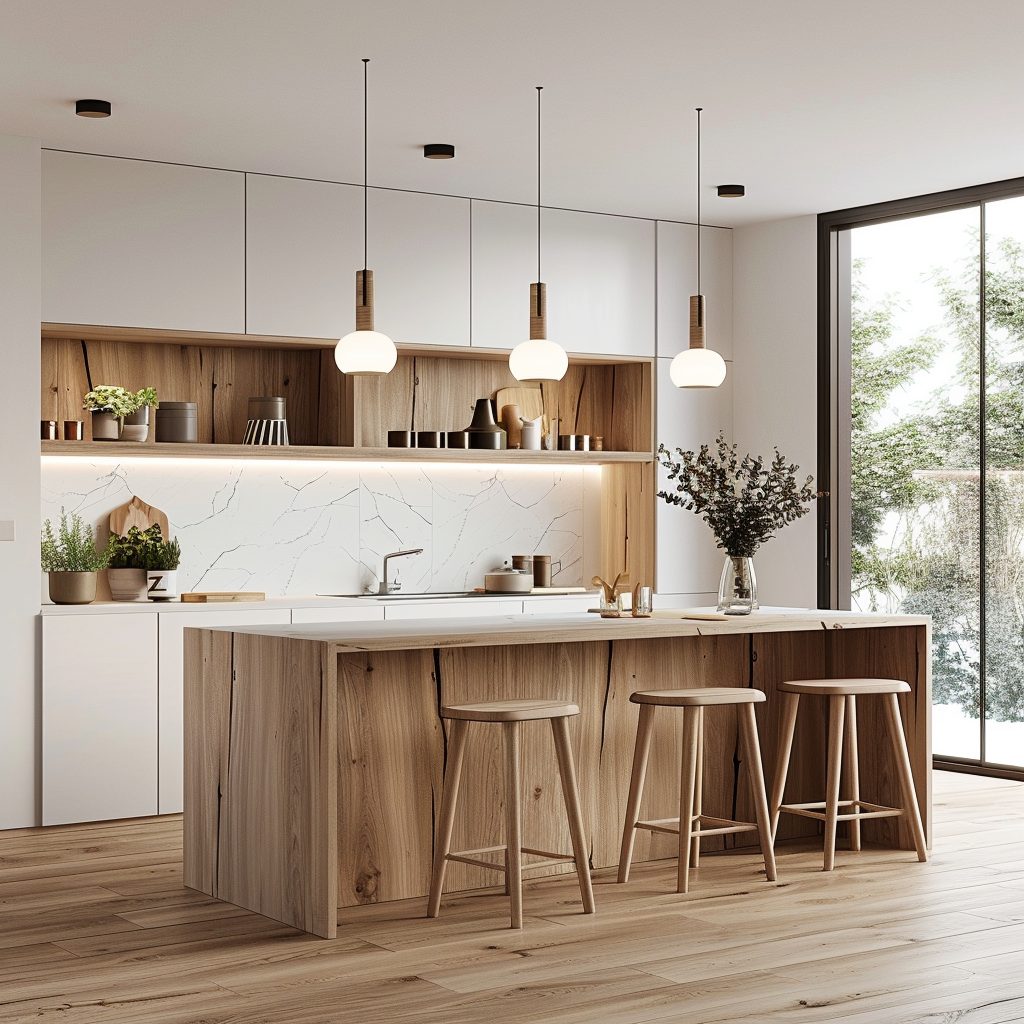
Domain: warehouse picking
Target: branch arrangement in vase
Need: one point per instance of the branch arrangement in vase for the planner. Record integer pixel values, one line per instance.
(744, 501)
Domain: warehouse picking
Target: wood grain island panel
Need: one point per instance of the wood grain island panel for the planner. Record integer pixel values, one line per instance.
(315, 754)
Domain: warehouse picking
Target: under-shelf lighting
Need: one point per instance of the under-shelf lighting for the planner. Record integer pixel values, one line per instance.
(365, 352)
(538, 360)
(697, 366)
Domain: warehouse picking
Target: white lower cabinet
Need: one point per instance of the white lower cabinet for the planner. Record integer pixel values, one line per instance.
(99, 717)
(461, 608)
(172, 688)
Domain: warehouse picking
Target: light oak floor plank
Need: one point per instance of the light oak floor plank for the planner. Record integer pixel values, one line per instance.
(95, 926)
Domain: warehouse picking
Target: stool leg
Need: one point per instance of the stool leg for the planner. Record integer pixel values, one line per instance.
(641, 751)
(698, 795)
(571, 796)
(837, 713)
(755, 771)
(899, 745)
(446, 820)
(852, 759)
(513, 823)
(687, 779)
(790, 706)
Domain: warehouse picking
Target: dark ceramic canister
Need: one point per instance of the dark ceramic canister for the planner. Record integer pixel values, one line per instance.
(267, 422)
(483, 432)
(177, 423)
(457, 439)
(401, 439)
(567, 442)
(542, 570)
(430, 439)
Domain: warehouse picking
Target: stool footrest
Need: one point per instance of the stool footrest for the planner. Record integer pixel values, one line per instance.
(816, 809)
(719, 826)
(466, 857)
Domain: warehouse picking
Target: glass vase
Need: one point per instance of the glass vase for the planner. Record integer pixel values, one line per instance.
(737, 591)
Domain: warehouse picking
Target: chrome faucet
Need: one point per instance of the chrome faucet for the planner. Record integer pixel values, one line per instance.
(391, 588)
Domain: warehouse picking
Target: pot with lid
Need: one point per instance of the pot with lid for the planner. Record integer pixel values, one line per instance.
(508, 581)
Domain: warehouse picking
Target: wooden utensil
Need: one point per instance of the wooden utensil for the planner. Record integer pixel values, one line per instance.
(137, 513)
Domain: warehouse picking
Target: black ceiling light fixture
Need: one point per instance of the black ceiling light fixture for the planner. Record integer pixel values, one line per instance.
(731, 191)
(92, 108)
(439, 151)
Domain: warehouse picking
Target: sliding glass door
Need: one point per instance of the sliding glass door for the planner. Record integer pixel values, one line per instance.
(933, 490)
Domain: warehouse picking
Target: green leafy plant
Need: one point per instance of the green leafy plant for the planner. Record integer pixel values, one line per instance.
(159, 553)
(112, 399)
(144, 397)
(73, 549)
(132, 551)
(742, 500)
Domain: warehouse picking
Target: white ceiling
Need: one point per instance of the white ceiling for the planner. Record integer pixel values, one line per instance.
(812, 104)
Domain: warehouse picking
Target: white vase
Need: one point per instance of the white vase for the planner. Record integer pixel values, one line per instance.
(162, 584)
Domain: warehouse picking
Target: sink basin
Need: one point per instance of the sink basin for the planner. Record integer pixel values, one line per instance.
(411, 597)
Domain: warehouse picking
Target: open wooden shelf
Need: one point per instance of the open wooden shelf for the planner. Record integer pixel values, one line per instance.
(330, 453)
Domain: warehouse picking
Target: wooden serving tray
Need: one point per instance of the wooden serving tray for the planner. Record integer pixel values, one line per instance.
(221, 596)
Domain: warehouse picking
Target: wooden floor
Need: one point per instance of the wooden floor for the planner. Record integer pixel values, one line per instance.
(95, 926)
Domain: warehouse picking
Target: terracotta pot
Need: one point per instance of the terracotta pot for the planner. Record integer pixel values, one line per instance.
(105, 426)
(136, 425)
(72, 587)
(127, 584)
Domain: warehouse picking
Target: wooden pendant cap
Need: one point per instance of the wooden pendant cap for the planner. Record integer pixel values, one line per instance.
(364, 300)
(538, 311)
(697, 322)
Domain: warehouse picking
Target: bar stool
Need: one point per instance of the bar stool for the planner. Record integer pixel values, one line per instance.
(842, 695)
(509, 713)
(693, 702)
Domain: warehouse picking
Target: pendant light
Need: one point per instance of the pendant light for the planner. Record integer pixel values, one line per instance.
(697, 366)
(538, 361)
(365, 352)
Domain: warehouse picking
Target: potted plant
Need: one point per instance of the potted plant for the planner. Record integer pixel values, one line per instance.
(109, 405)
(71, 559)
(127, 562)
(744, 502)
(162, 559)
(136, 423)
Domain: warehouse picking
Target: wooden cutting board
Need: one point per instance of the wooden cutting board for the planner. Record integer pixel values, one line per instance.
(221, 596)
(137, 513)
(529, 400)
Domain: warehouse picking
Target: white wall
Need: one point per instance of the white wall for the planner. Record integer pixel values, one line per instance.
(19, 477)
(775, 381)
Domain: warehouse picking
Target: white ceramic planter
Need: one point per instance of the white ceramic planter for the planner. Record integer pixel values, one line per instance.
(162, 584)
(127, 584)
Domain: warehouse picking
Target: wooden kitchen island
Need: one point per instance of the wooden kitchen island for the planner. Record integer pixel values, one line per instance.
(314, 755)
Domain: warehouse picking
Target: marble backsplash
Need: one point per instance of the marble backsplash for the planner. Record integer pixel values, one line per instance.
(314, 528)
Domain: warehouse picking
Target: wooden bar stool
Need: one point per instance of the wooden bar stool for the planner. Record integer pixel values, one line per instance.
(510, 713)
(693, 702)
(842, 695)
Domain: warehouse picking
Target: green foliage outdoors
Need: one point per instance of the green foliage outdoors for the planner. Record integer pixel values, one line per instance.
(915, 480)
(73, 549)
(143, 549)
(743, 501)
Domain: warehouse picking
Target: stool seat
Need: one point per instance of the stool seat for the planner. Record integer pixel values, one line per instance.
(698, 696)
(511, 710)
(844, 687)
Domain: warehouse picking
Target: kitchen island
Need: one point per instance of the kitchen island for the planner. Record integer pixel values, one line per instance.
(314, 755)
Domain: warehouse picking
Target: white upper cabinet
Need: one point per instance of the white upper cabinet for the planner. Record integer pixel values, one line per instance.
(304, 244)
(136, 244)
(599, 271)
(677, 281)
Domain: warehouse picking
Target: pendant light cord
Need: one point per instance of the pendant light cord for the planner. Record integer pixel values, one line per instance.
(366, 61)
(539, 87)
(699, 109)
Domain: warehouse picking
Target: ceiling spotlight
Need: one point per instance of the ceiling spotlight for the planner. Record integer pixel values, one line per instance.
(92, 108)
(731, 191)
(439, 151)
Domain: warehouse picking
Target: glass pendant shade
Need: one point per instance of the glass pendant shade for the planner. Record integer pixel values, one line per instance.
(697, 368)
(537, 361)
(365, 353)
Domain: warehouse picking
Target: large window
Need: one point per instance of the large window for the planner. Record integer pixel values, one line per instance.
(925, 408)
